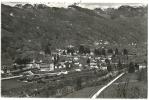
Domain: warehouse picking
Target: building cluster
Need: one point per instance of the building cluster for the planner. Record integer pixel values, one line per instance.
(71, 59)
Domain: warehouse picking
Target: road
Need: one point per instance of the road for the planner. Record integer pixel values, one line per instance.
(91, 92)
(7, 78)
(13, 77)
(107, 85)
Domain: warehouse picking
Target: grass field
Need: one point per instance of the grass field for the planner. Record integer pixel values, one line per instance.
(11, 83)
(84, 93)
(128, 86)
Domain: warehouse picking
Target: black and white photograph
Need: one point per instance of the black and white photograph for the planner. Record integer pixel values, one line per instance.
(74, 49)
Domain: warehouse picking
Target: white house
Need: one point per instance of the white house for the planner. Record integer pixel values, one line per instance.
(142, 67)
(51, 67)
(103, 68)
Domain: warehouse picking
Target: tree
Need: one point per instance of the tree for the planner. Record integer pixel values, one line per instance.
(47, 48)
(109, 68)
(70, 50)
(119, 65)
(81, 49)
(67, 65)
(23, 61)
(103, 52)
(125, 52)
(107, 61)
(110, 51)
(84, 50)
(131, 68)
(87, 50)
(136, 66)
(5, 69)
(88, 61)
(64, 53)
(98, 64)
(116, 51)
(97, 52)
(57, 58)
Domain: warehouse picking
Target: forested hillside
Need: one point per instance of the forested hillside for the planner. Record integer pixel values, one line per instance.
(31, 28)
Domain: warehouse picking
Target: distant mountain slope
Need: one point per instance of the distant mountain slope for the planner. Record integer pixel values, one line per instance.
(32, 28)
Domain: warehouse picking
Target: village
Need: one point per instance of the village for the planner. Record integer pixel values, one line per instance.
(71, 59)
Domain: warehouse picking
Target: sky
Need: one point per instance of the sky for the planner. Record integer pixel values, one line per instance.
(83, 1)
(91, 4)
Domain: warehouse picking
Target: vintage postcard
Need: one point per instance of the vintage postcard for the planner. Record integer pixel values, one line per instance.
(74, 49)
